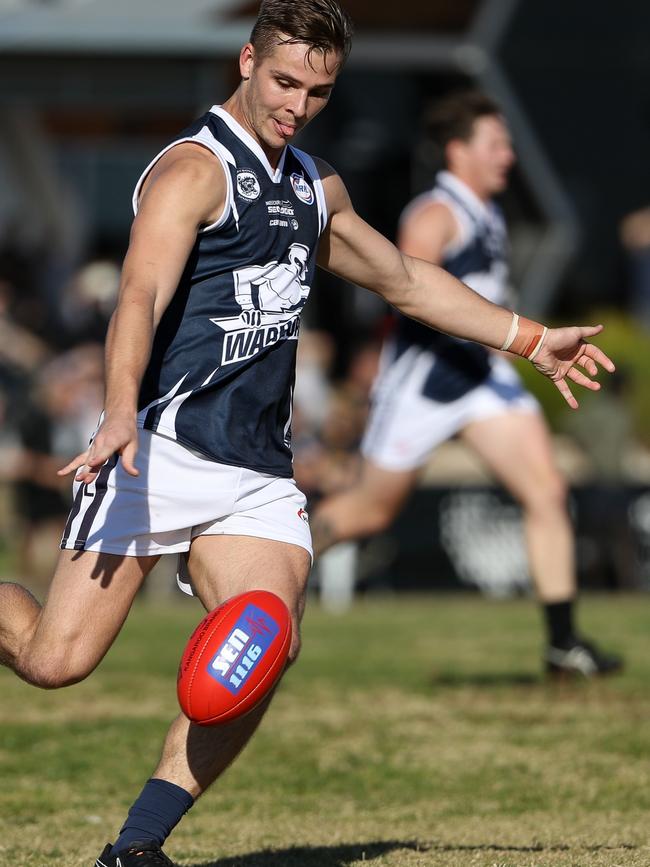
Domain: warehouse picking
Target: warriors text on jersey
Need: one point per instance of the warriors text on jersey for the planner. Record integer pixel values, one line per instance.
(222, 366)
(479, 258)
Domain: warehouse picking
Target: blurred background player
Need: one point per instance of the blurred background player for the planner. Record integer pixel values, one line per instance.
(432, 386)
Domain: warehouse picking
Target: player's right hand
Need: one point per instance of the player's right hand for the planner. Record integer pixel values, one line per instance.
(114, 435)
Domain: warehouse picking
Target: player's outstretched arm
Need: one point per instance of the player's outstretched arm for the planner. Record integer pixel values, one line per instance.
(185, 189)
(353, 250)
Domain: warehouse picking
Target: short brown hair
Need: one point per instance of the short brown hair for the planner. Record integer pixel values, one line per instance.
(453, 117)
(323, 25)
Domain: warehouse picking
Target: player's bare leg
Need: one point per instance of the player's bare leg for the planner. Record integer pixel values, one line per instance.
(194, 756)
(367, 508)
(516, 447)
(223, 566)
(61, 642)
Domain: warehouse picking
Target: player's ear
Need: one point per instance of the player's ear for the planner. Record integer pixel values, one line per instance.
(454, 150)
(246, 60)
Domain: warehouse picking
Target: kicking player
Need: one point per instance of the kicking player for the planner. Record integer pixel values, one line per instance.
(432, 386)
(193, 450)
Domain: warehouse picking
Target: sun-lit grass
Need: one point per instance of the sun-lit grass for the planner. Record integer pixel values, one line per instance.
(413, 731)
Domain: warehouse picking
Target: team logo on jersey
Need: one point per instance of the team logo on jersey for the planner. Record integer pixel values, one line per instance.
(271, 297)
(302, 189)
(247, 185)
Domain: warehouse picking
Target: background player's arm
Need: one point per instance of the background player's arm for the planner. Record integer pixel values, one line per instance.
(353, 250)
(426, 231)
(185, 190)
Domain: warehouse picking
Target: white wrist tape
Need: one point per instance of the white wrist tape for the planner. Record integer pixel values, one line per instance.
(514, 328)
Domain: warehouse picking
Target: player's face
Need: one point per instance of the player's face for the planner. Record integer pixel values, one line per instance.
(488, 156)
(285, 90)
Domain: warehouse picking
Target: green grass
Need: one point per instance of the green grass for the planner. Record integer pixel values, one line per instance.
(413, 731)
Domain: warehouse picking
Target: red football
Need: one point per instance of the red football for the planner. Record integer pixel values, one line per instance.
(234, 657)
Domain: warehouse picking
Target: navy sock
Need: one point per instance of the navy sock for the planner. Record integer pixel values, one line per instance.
(559, 622)
(158, 809)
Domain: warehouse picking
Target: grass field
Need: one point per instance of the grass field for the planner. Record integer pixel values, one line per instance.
(413, 731)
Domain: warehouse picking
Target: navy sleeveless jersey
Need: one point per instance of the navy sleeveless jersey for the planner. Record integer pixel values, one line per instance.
(222, 368)
(478, 258)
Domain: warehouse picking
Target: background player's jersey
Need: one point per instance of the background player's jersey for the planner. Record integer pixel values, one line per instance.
(222, 366)
(478, 257)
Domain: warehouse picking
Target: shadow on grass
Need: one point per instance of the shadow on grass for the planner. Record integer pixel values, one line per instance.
(485, 679)
(537, 847)
(315, 856)
(343, 855)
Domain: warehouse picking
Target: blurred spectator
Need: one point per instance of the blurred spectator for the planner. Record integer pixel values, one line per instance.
(49, 402)
(89, 300)
(635, 237)
(329, 417)
(21, 351)
(608, 413)
(314, 364)
(53, 424)
(608, 554)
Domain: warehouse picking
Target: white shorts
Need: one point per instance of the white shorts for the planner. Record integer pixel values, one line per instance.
(404, 426)
(178, 496)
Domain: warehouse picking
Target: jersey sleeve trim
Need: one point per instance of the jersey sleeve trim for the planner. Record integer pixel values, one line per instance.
(222, 154)
(310, 167)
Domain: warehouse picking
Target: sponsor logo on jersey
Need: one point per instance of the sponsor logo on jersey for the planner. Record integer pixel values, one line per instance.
(282, 214)
(280, 207)
(248, 186)
(303, 515)
(302, 189)
(246, 645)
(285, 223)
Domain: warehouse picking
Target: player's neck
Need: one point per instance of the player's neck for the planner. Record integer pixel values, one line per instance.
(472, 184)
(236, 108)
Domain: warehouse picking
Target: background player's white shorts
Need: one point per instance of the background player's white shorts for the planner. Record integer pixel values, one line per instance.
(405, 426)
(180, 495)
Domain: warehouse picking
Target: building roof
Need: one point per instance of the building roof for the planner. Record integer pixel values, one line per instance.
(212, 27)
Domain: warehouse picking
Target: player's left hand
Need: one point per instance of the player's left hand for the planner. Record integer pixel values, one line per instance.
(562, 350)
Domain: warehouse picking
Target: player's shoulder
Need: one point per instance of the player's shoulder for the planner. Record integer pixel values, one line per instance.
(429, 210)
(317, 167)
(336, 194)
(186, 165)
(191, 160)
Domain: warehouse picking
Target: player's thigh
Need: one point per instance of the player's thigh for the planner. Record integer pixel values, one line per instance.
(386, 489)
(517, 448)
(225, 565)
(89, 598)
